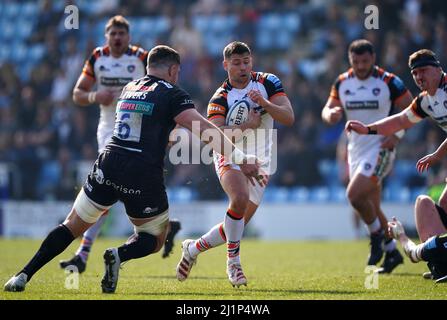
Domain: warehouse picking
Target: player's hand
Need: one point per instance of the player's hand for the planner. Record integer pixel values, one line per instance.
(425, 162)
(254, 119)
(356, 126)
(256, 97)
(105, 97)
(335, 114)
(250, 168)
(395, 228)
(390, 142)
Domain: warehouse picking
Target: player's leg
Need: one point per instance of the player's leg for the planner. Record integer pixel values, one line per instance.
(393, 257)
(84, 213)
(79, 260)
(428, 218)
(174, 227)
(149, 237)
(359, 193)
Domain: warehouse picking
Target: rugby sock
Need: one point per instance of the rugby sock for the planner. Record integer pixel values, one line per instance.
(213, 238)
(89, 237)
(55, 243)
(374, 226)
(234, 228)
(389, 245)
(140, 246)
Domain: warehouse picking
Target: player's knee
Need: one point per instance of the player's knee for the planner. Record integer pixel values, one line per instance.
(423, 205)
(239, 202)
(149, 243)
(354, 197)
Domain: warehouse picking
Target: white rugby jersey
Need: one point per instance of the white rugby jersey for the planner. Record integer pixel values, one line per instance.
(113, 74)
(435, 107)
(367, 100)
(226, 96)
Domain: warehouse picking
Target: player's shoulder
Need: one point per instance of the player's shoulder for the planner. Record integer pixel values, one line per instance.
(384, 75)
(222, 91)
(101, 51)
(263, 77)
(344, 77)
(136, 51)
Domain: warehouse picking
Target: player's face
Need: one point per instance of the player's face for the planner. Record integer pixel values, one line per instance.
(362, 64)
(117, 39)
(239, 67)
(426, 77)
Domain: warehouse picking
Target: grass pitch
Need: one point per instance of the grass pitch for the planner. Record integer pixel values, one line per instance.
(275, 271)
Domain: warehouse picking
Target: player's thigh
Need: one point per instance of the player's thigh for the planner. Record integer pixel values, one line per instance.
(235, 184)
(361, 187)
(428, 218)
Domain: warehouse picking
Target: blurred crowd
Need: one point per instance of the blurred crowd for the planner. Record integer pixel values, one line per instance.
(44, 136)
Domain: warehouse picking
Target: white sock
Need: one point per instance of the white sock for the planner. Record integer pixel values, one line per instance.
(390, 245)
(213, 238)
(374, 226)
(234, 228)
(89, 237)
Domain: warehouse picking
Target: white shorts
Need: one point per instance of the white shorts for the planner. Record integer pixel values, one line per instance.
(103, 140)
(256, 192)
(376, 164)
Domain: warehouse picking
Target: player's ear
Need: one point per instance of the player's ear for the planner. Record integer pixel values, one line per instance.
(225, 65)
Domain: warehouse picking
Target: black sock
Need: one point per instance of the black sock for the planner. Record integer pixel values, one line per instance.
(56, 242)
(143, 245)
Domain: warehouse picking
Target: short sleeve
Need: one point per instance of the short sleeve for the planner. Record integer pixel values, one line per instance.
(397, 88)
(218, 106)
(273, 85)
(180, 102)
(89, 65)
(416, 107)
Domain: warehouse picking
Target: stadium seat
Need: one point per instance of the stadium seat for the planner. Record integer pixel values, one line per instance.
(299, 194)
(276, 194)
(320, 194)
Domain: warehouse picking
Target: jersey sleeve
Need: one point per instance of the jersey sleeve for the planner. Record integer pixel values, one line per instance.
(397, 88)
(218, 106)
(89, 65)
(273, 85)
(416, 107)
(142, 55)
(180, 102)
(334, 94)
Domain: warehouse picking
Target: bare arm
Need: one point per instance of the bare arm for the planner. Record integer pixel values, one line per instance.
(279, 107)
(220, 143)
(425, 162)
(386, 126)
(83, 94)
(332, 111)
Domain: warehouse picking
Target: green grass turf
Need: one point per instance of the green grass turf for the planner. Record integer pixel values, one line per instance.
(275, 270)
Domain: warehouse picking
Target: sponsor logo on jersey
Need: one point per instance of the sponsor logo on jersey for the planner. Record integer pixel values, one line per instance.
(367, 166)
(133, 95)
(136, 106)
(186, 101)
(131, 68)
(349, 92)
(362, 88)
(103, 68)
(122, 188)
(358, 105)
(376, 91)
(107, 81)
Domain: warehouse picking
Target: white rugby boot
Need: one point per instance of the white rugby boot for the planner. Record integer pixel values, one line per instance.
(235, 274)
(186, 262)
(16, 283)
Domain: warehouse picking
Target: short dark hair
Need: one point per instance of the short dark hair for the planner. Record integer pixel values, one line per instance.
(421, 58)
(235, 47)
(162, 55)
(361, 46)
(119, 22)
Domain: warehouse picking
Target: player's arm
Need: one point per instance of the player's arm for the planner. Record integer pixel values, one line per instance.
(279, 107)
(332, 111)
(425, 162)
(83, 93)
(212, 135)
(389, 125)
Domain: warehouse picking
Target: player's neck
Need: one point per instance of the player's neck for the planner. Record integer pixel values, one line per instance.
(237, 84)
(117, 54)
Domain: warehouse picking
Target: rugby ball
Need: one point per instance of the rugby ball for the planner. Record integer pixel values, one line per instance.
(238, 113)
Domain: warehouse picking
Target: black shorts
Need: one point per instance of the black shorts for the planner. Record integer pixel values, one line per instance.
(442, 215)
(124, 176)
